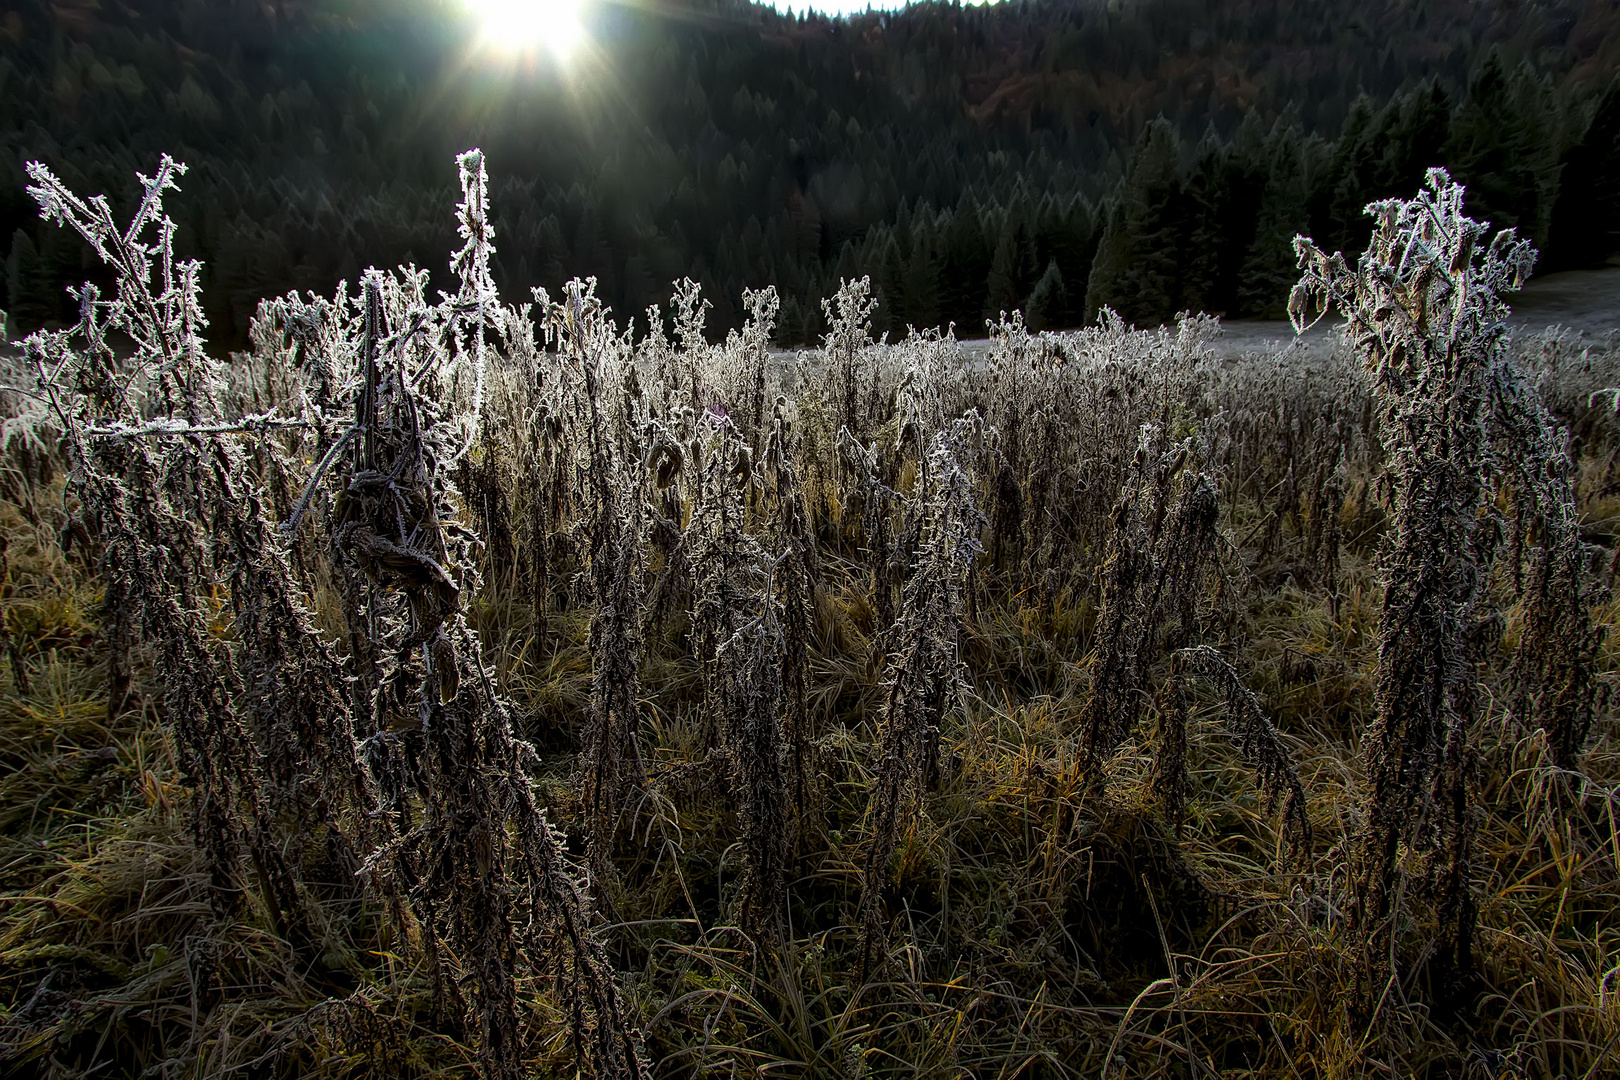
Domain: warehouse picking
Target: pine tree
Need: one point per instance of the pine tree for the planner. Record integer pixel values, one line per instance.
(1070, 236)
(964, 265)
(1269, 269)
(1012, 270)
(24, 295)
(1346, 184)
(894, 309)
(921, 283)
(1246, 172)
(1048, 300)
(1503, 148)
(1414, 129)
(1585, 226)
(1137, 268)
(1205, 194)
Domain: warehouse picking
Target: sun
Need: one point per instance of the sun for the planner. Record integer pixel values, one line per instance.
(517, 25)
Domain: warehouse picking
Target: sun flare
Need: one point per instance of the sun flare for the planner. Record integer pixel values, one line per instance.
(517, 25)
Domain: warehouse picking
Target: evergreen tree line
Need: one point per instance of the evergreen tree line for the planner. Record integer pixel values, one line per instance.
(1209, 225)
(1046, 156)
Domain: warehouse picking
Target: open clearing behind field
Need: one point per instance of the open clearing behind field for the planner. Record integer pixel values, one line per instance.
(1581, 301)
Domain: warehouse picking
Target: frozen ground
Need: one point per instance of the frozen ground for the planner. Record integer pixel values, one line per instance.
(1582, 301)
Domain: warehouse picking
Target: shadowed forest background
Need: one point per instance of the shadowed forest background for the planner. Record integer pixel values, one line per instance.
(1046, 157)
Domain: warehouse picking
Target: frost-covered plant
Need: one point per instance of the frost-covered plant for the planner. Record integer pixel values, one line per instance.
(1294, 433)
(754, 347)
(867, 499)
(1162, 552)
(690, 313)
(926, 362)
(738, 639)
(1082, 400)
(925, 677)
(1458, 419)
(847, 431)
(1555, 669)
(491, 883)
(1556, 666)
(263, 717)
(796, 574)
(296, 691)
(1012, 398)
(1162, 547)
(1033, 403)
(754, 657)
(1258, 742)
(611, 758)
(147, 450)
(725, 558)
(849, 337)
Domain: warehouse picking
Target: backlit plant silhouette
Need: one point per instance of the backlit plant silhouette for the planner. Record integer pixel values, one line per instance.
(1459, 421)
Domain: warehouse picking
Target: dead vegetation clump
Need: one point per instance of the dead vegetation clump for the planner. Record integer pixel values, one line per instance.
(1459, 423)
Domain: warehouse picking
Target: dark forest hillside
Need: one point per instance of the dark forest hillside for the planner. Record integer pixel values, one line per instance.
(1043, 156)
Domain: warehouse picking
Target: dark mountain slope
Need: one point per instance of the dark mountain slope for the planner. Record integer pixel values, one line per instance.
(960, 155)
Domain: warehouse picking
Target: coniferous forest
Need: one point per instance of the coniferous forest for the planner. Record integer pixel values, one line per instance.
(1046, 157)
(509, 567)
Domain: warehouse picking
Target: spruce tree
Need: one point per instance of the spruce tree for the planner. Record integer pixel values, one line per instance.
(1205, 194)
(1269, 269)
(1346, 185)
(1012, 270)
(1047, 300)
(1503, 148)
(1585, 228)
(1137, 268)
(921, 280)
(964, 264)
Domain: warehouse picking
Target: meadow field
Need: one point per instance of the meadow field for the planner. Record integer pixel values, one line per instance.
(506, 686)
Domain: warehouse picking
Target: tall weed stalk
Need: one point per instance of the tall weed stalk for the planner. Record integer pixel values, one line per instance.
(1459, 420)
